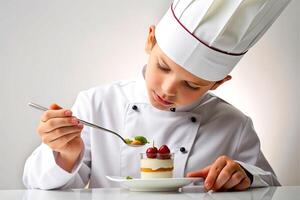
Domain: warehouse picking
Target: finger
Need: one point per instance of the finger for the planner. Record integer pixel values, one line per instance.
(59, 132)
(243, 185)
(55, 123)
(213, 173)
(54, 106)
(49, 114)
(226, 173)
(235, 179)
(59, 143)
(200, 173)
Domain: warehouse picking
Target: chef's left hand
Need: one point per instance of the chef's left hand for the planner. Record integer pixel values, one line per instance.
(223, 174)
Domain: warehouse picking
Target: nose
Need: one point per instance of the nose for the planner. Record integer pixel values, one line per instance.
(169, 86)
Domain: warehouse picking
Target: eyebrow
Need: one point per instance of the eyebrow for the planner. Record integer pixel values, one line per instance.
(161, 61)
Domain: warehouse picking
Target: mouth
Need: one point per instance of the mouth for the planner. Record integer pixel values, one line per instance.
(161, 100)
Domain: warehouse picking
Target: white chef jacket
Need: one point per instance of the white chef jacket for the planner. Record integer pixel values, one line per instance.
(206, 129)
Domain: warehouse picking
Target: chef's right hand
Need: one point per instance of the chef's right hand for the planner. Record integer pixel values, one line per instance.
(61, 132)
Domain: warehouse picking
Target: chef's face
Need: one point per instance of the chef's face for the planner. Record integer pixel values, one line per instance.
(168, 84)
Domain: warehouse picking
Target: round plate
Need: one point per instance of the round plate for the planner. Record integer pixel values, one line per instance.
(157, 184)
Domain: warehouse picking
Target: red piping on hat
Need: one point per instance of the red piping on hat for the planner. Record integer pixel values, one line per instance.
(213, 48)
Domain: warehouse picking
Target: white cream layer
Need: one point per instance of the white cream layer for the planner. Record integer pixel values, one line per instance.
(155, 164)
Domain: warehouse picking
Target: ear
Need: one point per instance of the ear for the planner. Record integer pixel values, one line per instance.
(218, 83)
(150, 42)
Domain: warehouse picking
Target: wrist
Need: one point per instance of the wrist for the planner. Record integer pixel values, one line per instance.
(250, 176)
(69, 155)
(68, 160)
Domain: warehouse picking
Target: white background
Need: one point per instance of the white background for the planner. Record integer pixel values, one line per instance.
(51, 50)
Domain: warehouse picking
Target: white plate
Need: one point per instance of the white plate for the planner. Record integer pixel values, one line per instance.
(157, 184)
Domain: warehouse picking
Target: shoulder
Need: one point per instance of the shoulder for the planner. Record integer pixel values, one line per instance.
(214, 108)
(110, 97)
(222, 118)
(116, 92)
(108, 90)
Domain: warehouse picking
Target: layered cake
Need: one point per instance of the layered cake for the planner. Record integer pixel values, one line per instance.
(157, 163)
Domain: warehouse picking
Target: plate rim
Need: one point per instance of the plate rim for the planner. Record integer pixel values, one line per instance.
(123, 179)
(130, 184)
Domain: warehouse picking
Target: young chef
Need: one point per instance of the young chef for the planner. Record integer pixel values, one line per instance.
(191, 51)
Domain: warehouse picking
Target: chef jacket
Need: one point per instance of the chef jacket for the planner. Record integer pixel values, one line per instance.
(197, 134)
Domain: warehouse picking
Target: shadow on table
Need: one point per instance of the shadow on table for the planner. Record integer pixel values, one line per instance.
(265, 193)
(119, 194)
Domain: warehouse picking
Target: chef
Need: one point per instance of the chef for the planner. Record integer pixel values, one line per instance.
(191, 51)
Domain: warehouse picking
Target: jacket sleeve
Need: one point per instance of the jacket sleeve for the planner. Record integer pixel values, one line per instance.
(251, 158)
(41, 170)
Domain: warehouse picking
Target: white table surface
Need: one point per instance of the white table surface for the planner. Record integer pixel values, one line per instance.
(196, 192)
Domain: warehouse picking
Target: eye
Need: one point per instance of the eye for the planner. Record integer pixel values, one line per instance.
(191, 86)
(165, 69)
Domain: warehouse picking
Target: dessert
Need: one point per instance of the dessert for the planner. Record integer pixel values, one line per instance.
(157, 163)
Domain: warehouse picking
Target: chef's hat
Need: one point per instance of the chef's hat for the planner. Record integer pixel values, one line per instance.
(209, 37)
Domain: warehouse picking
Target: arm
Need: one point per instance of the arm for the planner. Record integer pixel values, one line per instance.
(41, 171)
(249, 156)
(47, 169)
(246, 168)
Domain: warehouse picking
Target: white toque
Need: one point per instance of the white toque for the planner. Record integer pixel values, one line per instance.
(209, 37)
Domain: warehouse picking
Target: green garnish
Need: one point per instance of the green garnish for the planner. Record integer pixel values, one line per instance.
(128, 141)
(142, 139)
(128, 177)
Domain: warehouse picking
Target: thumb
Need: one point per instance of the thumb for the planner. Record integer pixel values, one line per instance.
(200, 173)
(54, 106)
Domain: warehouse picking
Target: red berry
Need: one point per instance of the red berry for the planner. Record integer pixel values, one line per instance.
(164, 149)
(164, 152)
(151, 152)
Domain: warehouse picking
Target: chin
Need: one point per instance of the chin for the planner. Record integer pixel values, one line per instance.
(154, 104)
(157, 105)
